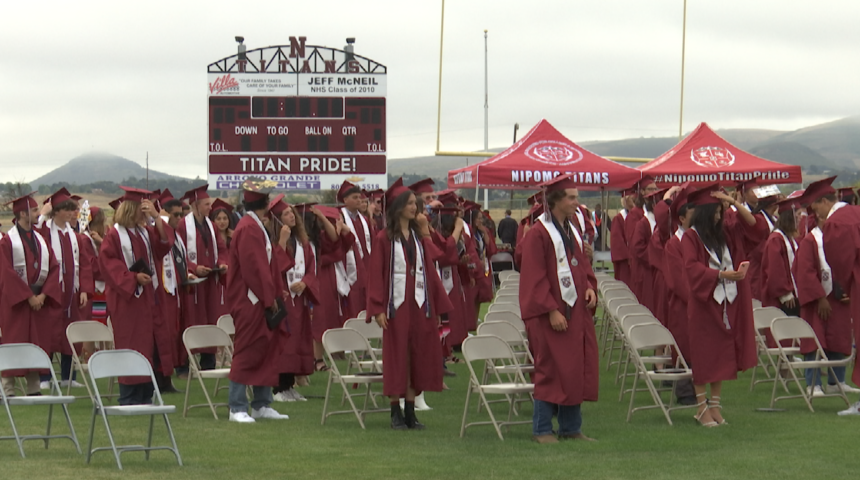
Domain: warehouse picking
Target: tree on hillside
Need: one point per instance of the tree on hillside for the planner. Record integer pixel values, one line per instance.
(13, 190)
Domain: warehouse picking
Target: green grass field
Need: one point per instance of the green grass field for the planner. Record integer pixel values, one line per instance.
(790, 444)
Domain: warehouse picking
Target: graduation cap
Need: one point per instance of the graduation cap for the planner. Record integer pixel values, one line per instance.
(93, 212)
(536, 198)
(344, 188)
(135, 194)
(365, 193)
(818, 189)
(703, 195)
(165, 196)
(277, 206)
(395, 190)
(646, 181)
(766, 192)
(76, 198)
(659, 193)
(330, 213)
(845, 194)
(219, 204)
(58, 197)
(469, 206)
(423, 186)
(198, 193)
(449, 198)
(681, 199)
(24, 203)
(256, 189)
(561, 182)
(796, 194)
(376, 194)
(536, 211)
(114, 204)
(789, 204)
(746, 184)
(303, 207)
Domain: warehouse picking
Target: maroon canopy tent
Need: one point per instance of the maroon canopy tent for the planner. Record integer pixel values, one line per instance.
(542, 154)
(703, 158)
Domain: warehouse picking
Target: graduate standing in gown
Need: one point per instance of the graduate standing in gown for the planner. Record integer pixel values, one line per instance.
(31, 287)
(618, 248)
(406, 300)
(778, 287)
(643, 276)
(719, 308)
(638, 260)
(221, 215)
(174, 277)
(824, 304)
(358, 256)
(131, 295)
(447, 236)
(842, 252)
(256, 282)
(556, 295)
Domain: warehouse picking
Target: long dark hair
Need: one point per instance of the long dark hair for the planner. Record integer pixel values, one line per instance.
(312, 228)
(392, 216)
(709, 232)
(786, 222)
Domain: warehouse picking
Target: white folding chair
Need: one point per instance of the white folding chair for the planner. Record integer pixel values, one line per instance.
(26, 356)
(508, 274)
(199, 337)
(509, 317)
(767, 356)
(796, 329)
(504, 307)
(88, 331)
(631, 315)
(508, 290)
(127, 363)
(756, 303)
(490, 348)
(347, 340)
(612, 334)
(512, 299)
(225, 322)
(652, 336)
(362, 314)
(373, 333)
(524, 360)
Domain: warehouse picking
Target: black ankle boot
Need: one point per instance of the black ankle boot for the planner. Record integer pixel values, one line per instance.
(411, 422)
(397, 422)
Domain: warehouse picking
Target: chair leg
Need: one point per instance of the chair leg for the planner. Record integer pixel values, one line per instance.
(149, 437)
(110, 437)
(352, 404)
(466, 408)
(775, 381)
(48, 431)
(633, 395)
(327, 393)
(172, 439)
(92, 434)
(206, 394)
(71, 428)
(188, 385)
(15, 431)
(490, 411)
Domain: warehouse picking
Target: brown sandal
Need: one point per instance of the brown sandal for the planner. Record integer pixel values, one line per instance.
(320, 366)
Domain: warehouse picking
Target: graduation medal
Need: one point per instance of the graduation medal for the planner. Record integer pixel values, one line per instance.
(574, 262)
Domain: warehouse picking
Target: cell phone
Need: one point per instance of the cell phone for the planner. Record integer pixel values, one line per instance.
(743, 267)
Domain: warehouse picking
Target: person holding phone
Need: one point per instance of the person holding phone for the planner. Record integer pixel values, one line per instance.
(719, 307)
(127, 261)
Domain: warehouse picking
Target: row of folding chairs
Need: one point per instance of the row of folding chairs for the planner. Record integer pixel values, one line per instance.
(101, 365)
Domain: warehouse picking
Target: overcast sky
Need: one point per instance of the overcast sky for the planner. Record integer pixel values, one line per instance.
(89, 75)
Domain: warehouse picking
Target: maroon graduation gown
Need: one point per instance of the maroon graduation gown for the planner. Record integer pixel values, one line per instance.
(18, 322)
(486, 279)
(220, 306)
(329, 306)
(358, 291)
(717, 353)
(678, 291)
(664, 227)
(296, 354)
(86, 312)
(841, 247)
(641, 271)
(411, 340)
(775, 271)
(473, 270)
(835, 333)
(618, 249)
(753, 244)
(254, 346)
(135, 320)
(566, 363)
(456, 317)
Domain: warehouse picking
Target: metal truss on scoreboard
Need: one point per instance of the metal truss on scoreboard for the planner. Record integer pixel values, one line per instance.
(270, 59)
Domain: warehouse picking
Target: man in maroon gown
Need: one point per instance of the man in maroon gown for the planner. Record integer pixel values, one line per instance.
(618, 248)
(255, 285)
(358, 257)
(556, 295)
(28, 273)
(841, 248)
(644, 187)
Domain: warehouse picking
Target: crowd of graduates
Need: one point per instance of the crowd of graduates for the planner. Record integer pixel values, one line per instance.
(417, 261)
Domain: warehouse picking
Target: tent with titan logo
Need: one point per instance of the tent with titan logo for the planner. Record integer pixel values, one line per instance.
(542, 154)
(703, 158)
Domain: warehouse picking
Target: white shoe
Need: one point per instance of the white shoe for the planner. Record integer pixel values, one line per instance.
(420, 404)
(297, 397)
(282, 397)
(816, 392)
(45, 385)
(268, 412)
(65, 384)
(241, 417)
(848, 388)
(852, 410)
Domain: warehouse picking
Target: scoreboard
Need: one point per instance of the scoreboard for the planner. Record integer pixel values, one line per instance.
(305, 117)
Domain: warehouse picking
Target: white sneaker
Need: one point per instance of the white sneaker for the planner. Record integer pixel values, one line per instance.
(268, 412)
(241, 417)
(849, 388)
(297, 397)
(65, 384)
(282, 397)
(45, 385)
(420, 404)
(852, 410)
(816, 392)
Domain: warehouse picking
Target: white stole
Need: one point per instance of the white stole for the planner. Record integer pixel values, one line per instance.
(100, 284)
(447, 276)
(563, 272)
(624, 213)
(836, 206)
(347, 218)
(652, 220)
(253, 298)
(19, 257)
(128, 253)
(826, 272)
(191, 238)
(57, 245)
(790, 248)
(398, 280)
(295, 274)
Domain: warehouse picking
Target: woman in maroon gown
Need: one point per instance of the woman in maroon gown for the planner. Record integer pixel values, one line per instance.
(447, 236)
(406, 300)
(778, 288)
(719, 308)
(220, 216)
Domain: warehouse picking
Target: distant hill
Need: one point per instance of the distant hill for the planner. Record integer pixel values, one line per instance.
(98, 166)
(838, 141)
(792, 153)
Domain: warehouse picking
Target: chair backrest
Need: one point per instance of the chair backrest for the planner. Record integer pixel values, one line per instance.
(789, 328)
(370, 330)
(649, 336)
(615, 303)
(486, 347)
(504, 330)
(225, 322)
(205, 336)
(756, 303)
(119, 363)
(23, 356)
(362, 314)
(508, 274)
(337, 340)
(610, 295)
(622, 310)
(502, 257)
(631, 319)
(511, 299)
(762, 317)
(509, 317)
(88, 331)
(504, 307)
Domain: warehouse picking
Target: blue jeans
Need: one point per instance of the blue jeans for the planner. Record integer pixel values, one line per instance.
(238, 399)
(569, 418)
(839, 371)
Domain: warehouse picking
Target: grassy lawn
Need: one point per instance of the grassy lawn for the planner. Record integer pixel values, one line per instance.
(790, 444)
